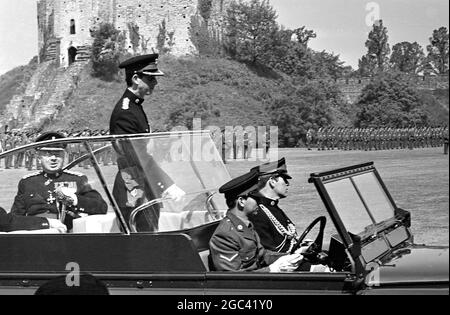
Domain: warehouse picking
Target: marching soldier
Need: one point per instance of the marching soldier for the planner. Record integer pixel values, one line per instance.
(445, 138)
(309, 139)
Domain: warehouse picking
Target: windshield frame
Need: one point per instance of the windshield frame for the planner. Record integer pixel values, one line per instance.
(87, 142)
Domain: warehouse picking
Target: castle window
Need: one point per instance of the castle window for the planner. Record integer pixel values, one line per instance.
(72, 27)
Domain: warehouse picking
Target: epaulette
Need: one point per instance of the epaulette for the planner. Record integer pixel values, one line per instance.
(74, 173)
(32, 175)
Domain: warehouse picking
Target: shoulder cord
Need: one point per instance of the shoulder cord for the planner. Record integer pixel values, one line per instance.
(289, 233)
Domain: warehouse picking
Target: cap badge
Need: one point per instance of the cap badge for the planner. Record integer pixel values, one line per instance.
(126, 104)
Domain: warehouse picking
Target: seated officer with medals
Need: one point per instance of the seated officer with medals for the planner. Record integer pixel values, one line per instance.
(235, 245)
(278, 233)
(54, 193)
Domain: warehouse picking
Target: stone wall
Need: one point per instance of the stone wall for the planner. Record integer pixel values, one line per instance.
(352, 87)
(149, 25)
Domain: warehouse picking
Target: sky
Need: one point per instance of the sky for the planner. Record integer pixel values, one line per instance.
(342, 26)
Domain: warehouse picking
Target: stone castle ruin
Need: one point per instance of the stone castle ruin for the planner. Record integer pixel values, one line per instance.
(65, 26)
(65, 41)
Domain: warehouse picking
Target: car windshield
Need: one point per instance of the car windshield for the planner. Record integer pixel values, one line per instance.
(189, 162)
(360, 201)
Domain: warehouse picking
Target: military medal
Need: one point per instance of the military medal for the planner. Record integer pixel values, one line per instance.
(50, 199)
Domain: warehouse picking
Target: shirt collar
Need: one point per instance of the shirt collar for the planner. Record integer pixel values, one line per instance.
(134, 99)
(266, 201)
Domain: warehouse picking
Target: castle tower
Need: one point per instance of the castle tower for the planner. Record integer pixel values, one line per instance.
(149, 25)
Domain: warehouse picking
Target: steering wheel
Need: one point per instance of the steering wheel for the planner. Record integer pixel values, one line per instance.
(313, 253)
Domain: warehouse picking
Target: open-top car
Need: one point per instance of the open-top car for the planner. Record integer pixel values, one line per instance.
(372, 252)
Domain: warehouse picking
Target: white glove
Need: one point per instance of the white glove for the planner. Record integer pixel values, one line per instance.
(304, 246)
(174, 192)
(67, 196)
(57, 225)
(286, 263)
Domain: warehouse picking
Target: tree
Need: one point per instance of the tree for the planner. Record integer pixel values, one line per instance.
(108, 47)
(291, 55)
(196, 105)
(438, 57)
(378, 50)
(389, 101)
(251, 29)
(407, 57)
(288, 55)
(310, 106)
(302, 35)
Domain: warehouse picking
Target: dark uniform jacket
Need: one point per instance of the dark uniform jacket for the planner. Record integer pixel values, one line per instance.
(10, 222)
(237, 247)
(131, 187)
(271, 237)
(128, 116)
(37, 196)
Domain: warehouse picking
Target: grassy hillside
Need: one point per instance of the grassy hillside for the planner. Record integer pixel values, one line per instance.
(14, 82)
(237, 93)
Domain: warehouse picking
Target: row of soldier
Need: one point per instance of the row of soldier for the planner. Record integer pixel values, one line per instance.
(387, 138)
(10, 140)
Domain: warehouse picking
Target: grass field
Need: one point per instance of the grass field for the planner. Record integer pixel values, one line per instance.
(417, 179)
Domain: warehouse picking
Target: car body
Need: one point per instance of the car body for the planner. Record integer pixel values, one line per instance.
(373, 251)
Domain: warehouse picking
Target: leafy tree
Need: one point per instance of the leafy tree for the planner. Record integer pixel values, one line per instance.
(325, 65)
(310, 106)
(367, 66)
(291, 55)
(389, 101)
(288, 55)
(251, 29)
(303, 35)
(196, 105)
(108, 47)
(438, 57)
(407, 57)
(378, 50)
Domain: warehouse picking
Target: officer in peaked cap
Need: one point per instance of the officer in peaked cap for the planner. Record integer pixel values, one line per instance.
(54, 192)
(277, 232)
(128, 117)
(48, 136)
(273, 168)
(233, 244)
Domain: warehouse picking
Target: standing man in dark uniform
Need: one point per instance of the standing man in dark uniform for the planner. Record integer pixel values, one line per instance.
(128, 117)
(54, 193)
(277, 232)
(235, 245)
